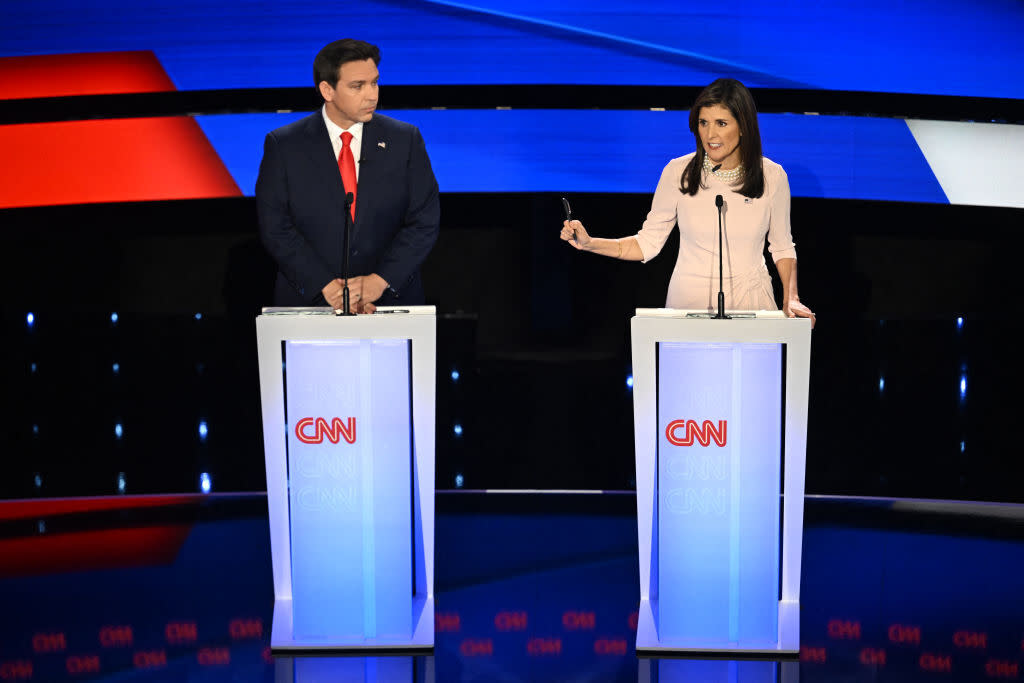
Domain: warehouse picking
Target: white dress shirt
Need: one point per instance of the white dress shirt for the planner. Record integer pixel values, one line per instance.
(335, 131)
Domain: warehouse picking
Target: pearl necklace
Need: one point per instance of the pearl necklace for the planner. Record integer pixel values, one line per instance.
(729, 176)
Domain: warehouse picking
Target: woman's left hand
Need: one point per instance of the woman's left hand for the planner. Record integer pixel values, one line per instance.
(795, 309)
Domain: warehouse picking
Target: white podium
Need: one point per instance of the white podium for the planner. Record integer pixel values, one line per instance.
(348, 433)
(720, 417)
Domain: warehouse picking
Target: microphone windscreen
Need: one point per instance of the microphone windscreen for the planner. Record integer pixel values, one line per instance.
(719, 201)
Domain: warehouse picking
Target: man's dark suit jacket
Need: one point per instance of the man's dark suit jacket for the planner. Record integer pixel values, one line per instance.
(301, 202)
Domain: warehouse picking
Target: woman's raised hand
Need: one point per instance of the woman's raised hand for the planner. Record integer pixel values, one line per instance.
(575, 234)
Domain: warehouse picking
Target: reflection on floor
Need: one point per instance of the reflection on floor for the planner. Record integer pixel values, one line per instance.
(528, 588)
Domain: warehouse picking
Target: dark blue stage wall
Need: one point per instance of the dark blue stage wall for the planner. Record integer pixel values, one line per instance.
(919, 46)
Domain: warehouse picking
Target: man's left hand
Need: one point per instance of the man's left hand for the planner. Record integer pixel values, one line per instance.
(364, 290)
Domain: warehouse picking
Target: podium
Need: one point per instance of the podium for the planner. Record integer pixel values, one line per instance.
(348, 433)
(720, 418)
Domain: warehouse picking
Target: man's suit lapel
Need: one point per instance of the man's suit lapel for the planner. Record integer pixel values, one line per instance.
(324, 163)
(370, 169)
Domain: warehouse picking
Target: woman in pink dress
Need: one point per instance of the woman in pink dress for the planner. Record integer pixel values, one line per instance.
(755, 191)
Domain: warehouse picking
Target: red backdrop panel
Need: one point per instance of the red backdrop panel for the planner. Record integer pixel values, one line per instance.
(115, 160)
(98, 73)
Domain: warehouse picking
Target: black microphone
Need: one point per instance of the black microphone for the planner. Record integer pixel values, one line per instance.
(349, 199)
(715, 170)
(721, 290)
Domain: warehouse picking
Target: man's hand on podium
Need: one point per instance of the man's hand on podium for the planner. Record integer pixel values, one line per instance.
(794, 309)
(363, 291)
(332, 292)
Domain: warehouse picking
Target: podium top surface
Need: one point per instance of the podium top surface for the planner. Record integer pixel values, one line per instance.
(666, 324)
(328, 311)
(703, 314)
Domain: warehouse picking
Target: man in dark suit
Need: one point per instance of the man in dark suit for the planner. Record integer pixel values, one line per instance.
(308, 167)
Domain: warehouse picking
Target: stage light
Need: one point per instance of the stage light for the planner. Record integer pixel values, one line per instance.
(116, 367)
(202, 430)
(199, 316)
(38, 481)
(959, 323)
(113, 318)
(455, 375)
(35, 429)
(33, 367)
(457, 429)
(118, 430)
(41, 526)
(205, 483)
(459, 481)
(120, 482)
(30, 319)
(629, 381)
(881, 384)
(963, 387)
(963, 446)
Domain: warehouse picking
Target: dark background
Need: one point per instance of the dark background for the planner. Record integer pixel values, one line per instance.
(538, 333)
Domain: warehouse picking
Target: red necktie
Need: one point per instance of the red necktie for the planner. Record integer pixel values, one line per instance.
(347, 166)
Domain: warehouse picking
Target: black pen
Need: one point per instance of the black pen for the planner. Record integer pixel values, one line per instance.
(568, 217)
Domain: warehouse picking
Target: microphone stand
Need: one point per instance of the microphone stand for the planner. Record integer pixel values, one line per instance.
(721, 289)
(344, 266)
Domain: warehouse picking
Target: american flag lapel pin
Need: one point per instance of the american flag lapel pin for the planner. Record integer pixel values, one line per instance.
(382, 144)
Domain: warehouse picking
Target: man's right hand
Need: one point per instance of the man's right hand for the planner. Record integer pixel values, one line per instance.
(333, 293)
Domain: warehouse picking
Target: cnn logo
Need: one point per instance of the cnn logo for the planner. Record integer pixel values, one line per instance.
(685, 432)
(312, 430)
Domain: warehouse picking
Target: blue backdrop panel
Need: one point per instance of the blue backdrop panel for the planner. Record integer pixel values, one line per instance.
(837, 157)
(718, 494)
(350, 494)
(917, 46)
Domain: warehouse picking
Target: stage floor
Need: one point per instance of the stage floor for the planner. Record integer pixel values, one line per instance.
(528, 587)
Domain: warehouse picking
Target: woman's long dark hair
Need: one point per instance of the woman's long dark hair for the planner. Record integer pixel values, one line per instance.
(735, 97)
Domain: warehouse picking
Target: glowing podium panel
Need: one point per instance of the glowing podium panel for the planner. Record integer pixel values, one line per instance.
(720, 421)
(348, 433)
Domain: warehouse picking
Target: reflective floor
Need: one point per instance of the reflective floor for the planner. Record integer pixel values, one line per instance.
(528, 588)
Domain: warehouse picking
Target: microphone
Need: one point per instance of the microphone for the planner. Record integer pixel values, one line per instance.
(715, 170)
(348, 243)
(719, 202)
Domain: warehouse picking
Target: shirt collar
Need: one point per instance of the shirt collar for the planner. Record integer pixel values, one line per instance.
(335, 131)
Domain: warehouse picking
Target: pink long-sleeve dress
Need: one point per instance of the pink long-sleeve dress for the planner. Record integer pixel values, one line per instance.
(746, 222)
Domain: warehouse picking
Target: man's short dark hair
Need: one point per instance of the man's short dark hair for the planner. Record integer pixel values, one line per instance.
(327, 65)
